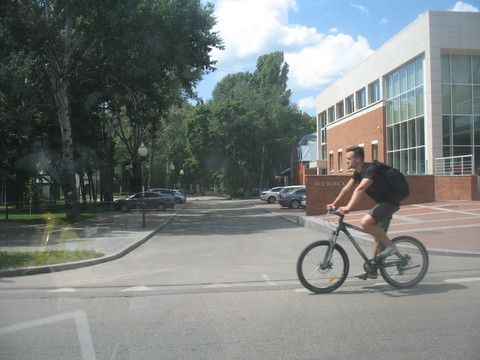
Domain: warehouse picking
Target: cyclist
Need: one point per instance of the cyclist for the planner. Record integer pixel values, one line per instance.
(372, 182)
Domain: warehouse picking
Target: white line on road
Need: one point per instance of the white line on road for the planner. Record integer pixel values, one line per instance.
(462, 280)
(63, 290)
(445, 210)
(219, 285)
(267, 279)
(302, 290)
(81, 322)
(137, 288)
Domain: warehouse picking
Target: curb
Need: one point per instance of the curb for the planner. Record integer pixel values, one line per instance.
(33, 270)
(304, 221)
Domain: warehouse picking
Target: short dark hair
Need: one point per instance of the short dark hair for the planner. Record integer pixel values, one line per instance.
(357, 151)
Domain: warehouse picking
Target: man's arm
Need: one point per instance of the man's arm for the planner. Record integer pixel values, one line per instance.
(345, 190)
(361, 188)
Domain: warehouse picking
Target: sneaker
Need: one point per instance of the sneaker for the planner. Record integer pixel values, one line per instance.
(363, 275)
(388, 251)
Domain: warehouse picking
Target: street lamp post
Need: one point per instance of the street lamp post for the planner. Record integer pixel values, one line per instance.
(142, 152)
(181, 177)
(171, 168)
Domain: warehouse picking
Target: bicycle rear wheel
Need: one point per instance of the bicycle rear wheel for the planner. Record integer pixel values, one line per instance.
(408, 266)
(318, 276)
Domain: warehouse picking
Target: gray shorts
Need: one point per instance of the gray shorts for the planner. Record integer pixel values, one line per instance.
(382, 214)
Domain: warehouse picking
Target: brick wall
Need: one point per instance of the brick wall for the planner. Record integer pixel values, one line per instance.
(361, 130)
(322, 190)
(301, 171)
(456, 188)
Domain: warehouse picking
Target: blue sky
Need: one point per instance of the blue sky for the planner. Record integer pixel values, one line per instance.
(321, 39)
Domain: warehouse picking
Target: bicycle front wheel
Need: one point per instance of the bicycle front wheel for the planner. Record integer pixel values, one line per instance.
(318, 275)
(408, 266)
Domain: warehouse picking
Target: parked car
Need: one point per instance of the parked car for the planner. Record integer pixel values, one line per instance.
(146, 200)
(304, 201)
(293, 198)
(178, 196)
(271, 195)
(287, 189)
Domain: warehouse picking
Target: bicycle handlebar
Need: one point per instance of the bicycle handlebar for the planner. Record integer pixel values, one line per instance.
(334, 212)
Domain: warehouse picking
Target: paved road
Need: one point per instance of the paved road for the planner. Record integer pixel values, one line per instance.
(219, 282)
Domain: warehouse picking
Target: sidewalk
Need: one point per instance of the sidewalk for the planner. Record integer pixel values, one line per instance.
(114, 234)
(445, 228)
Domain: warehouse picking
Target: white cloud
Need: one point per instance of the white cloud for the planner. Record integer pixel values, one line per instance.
(250, 28)
(383, 20)
(318, 65)
(307, 103)
(363, 10)
(462, 6)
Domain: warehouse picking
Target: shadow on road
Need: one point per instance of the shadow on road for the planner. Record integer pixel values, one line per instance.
(421, 289)
(229, 218)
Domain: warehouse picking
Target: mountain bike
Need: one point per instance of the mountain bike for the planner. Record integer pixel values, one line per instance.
(323, 265)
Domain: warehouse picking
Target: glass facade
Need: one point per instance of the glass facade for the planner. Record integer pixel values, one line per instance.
(374, 92)
(404, 94)
(461, 105)
(322, 120)
(361, 99)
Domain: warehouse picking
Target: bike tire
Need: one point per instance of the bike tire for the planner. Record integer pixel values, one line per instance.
(415, 246)
(305, 280)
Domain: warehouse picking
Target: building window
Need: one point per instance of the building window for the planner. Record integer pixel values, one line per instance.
(340, 160)
(331, 114)
(340, 112)
(461, 105)
(361, 99)
(374, 92)
(350, 105)
(322, 140)
(330, 162)
(374, 150)
(405, 140)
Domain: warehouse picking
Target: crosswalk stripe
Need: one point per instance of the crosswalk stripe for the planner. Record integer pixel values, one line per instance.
(137, 288)
(63, 290)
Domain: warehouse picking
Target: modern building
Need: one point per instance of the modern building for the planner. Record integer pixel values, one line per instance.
(414, 100)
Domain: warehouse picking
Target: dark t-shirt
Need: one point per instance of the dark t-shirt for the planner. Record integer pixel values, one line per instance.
(379, 190)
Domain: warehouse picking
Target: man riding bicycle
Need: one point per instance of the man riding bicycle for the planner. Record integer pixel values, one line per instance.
(371, 179)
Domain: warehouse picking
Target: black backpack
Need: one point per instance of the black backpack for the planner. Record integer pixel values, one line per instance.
(399, 188)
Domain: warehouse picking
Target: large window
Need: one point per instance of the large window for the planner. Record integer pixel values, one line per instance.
(331, 114)
(404, 93)
(340, 112)
(374, 92)
(361, 99)
(322, 122)
(350, 105)
(461, 105)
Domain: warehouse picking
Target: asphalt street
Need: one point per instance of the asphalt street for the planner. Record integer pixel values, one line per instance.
(219, 282)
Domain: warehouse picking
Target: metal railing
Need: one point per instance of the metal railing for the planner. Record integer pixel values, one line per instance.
(454, 165)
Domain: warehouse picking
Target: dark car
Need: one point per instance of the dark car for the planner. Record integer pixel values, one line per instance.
(293, 198)
(147, 200)
(178, 196)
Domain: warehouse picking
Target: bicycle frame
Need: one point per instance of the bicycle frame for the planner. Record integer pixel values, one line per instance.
(342, 226)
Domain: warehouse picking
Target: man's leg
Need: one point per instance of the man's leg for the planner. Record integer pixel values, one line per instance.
(371, 227)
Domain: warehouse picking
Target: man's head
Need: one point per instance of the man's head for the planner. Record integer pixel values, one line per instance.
(355, 157)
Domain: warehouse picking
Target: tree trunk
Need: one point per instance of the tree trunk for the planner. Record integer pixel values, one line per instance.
(67, 180)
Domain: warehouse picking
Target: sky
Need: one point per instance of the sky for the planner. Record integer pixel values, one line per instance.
(321, 39)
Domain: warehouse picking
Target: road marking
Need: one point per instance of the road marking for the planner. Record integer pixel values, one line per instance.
(137, 288)
(302, 290)
(380, 283)
(218, 285)
(267, 279)
(81, 322)
(63, 290)
(408, 231)
(462, 280)
(445, 210)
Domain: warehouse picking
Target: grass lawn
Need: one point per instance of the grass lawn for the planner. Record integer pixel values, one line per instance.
(16, 259)
(45, 218)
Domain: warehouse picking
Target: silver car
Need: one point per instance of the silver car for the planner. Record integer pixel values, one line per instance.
(271, 195)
